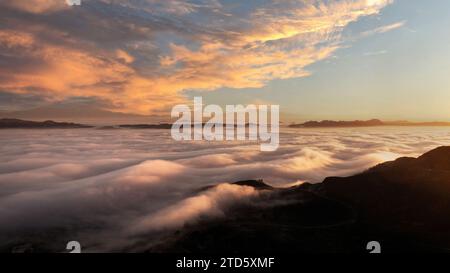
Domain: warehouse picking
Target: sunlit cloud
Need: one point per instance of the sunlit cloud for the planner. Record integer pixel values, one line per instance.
(141, 55)
(37, 6)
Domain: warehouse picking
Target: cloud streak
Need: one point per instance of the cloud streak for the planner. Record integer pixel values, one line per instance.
(384, 29)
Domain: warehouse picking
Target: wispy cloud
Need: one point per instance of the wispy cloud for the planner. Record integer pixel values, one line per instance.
(384, 29)
(376, 53)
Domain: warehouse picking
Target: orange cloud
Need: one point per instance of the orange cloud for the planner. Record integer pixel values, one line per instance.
(275, 41)
(38, 6)
(62, 71)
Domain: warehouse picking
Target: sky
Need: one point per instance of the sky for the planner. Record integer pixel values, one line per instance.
(318, 59)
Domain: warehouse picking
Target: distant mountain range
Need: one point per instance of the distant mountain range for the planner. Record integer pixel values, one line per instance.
(364, 123)
(20, 123)
(80, 114)
(403, 204)
(147, 126)
(49, 124)
(9, 123)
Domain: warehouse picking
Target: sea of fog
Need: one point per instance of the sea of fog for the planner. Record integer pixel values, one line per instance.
(109, 189)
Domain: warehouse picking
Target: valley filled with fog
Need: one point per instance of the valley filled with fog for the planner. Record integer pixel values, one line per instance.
(110, 189)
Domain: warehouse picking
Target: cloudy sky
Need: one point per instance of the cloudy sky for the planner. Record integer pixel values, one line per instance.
(337, 59)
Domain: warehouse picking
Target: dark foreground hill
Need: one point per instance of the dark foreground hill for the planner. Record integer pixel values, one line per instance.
(404, 204)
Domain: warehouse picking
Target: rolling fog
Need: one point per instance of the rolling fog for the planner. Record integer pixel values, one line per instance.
(110, 189)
